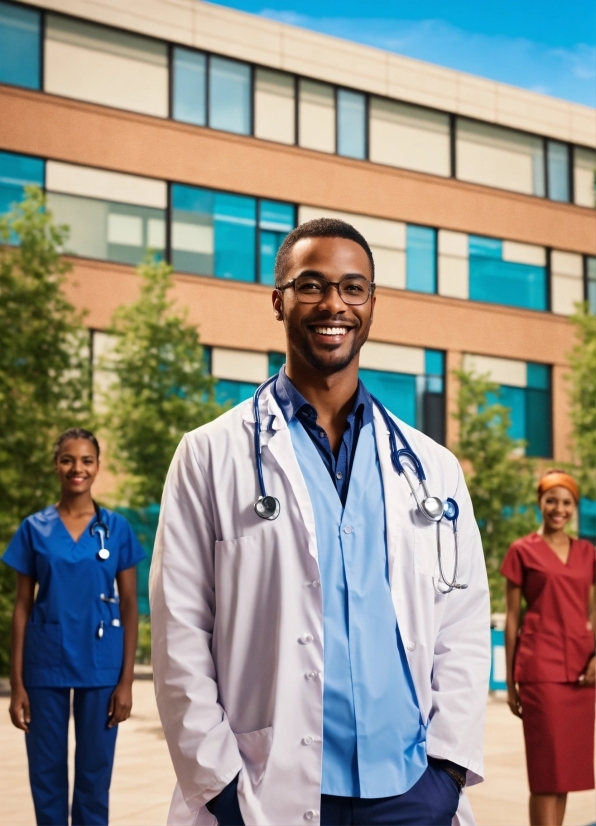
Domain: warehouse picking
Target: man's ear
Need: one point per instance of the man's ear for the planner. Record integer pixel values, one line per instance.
(278, 306)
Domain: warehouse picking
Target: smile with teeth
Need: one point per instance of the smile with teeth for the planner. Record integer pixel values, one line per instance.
(331, 331)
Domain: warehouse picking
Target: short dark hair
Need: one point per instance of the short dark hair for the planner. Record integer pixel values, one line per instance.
(319, 228)
(75, 433)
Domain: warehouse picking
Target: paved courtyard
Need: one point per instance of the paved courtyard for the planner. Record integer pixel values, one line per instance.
(144, 779)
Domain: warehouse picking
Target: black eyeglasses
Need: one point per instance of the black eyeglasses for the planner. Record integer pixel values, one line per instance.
(311, 289)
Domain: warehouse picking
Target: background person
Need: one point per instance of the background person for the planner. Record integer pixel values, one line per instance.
(78, 632)
(307, 669)
(551, 664)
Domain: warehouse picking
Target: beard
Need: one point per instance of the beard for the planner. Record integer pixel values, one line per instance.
(327, 363)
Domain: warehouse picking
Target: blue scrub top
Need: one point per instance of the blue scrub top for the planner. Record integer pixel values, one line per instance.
(63, 647)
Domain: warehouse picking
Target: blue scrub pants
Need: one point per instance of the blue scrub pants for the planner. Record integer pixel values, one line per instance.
(47, 750)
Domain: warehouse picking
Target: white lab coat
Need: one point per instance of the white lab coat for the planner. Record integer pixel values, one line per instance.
(237, 620)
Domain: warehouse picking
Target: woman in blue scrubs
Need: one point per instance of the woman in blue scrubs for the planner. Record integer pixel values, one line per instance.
(74, 627)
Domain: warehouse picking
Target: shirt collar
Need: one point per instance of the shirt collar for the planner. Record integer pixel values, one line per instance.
(292, 401)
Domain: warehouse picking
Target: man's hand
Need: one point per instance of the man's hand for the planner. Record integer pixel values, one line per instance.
(120, 704)
(20, 712)
(513, 700)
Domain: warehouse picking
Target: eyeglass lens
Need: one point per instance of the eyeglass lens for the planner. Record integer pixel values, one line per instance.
(310, 289)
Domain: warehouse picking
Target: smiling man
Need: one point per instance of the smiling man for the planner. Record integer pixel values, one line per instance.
(318, 655)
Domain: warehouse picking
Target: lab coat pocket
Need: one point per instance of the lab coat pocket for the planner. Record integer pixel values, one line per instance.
(425, 549)
(254, 748)
(109, 650)
(43, 645)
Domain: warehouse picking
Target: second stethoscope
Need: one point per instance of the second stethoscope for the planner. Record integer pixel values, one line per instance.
(100, 528)
(432, 508)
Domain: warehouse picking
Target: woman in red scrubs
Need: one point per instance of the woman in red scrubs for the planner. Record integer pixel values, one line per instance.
(551, 665)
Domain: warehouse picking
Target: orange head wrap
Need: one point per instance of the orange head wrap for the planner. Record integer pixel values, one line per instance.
(558, 478)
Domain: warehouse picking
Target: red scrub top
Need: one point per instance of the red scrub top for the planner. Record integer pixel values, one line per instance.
(557, 638)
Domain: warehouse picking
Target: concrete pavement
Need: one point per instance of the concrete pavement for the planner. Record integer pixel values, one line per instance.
(144, 779)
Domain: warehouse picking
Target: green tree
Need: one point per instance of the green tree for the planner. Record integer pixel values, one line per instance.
(161, 387)
(44, 372)
(499, 477)
(583, 399)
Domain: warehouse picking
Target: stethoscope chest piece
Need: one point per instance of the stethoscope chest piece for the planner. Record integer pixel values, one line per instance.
(267, 507)
(101, 529)
(103, 554)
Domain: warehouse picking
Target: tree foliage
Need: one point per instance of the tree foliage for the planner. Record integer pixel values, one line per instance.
(500, 479)
(161, 387)
(44, 371)
(583, 400)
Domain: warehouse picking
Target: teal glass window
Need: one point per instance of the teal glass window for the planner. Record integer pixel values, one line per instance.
(530, 410)
(229, 95)
(591, 285)
(504, 282)
(557, 162)
(397, 391)
(276, 362)
(421, 259)
(213, 233)
(20, 46)
(275, 221)
(431, 401)
(351, 124)
(587, 519)
(107, 230)
(233, 392)
(189, 103)
(17, 172)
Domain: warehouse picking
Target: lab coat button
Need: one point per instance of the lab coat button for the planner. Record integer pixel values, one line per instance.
(348, 529)
(312, 814)
(411, 646)
(316, 583)
(305, 639)
(311, 675)
(307, 741)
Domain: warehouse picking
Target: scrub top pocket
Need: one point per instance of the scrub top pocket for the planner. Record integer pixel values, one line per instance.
(43, 645)
(109, 650)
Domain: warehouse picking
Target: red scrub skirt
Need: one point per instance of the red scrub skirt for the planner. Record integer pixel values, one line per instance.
(558, 723)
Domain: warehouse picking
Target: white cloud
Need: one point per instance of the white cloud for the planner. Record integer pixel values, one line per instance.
(565, 73)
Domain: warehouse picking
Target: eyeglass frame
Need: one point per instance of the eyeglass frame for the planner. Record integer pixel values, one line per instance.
(371, 288)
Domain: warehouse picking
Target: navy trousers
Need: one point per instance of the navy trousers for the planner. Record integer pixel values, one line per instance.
(47, 750)
(432, 801)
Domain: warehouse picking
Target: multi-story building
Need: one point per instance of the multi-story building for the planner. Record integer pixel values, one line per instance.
(207, 134)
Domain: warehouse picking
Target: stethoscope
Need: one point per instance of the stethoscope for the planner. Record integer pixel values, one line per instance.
(99, 527)
(432, 508)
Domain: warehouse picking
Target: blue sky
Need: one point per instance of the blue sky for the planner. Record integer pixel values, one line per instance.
(547, 46)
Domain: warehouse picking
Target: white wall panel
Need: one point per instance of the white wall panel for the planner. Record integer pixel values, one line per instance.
(453, 277)
(583, 176)
(105, 66)
(499, 157)
(501, 371)
(109, 186)
(239, 365)
(390, 267)
(453, 243)
(524, 253)
(564, 293)
(316, 116)
(409, 137)
(567, 263)
(275, 106)
(394, 358)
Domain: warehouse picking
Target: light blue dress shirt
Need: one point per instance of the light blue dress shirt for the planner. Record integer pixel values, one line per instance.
(374, 741)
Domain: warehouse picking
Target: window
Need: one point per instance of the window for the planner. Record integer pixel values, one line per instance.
(215, 233)
(229, 96)
(421, 259)
(500, 278)
(316, 116)
(17, 172)
(276, 362)
(531, 413)
(351, 124)
(106, 66)
(275, 221)
(431, 407)
(238, 373)
(500, 157)
(20, 46)
(557, 155)
(591, 285)
(189, 102)
(584, 176)
(275, 106)
(229, 391)
(587, 519)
